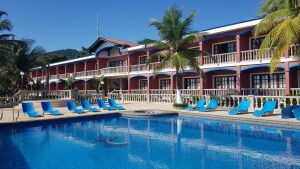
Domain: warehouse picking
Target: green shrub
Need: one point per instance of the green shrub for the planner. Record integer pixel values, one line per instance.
(183, 105)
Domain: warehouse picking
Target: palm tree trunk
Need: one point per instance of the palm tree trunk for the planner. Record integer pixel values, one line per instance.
(178, 94)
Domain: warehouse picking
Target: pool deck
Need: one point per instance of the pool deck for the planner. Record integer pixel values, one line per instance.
(164, 108)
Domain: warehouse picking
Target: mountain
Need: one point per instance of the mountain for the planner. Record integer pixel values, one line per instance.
(69, 53)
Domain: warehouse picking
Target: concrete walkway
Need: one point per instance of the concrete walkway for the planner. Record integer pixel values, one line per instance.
(274, 120)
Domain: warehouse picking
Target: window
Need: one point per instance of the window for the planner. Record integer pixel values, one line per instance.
(256, 42)
(165, 84)
(225, 48)
(225, 82)
(143, 59)
(192, 83)
(143, 84)
(116, 63)
(268, 81)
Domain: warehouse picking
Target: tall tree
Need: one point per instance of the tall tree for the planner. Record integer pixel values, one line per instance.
(281, 20)
(96, 83)
(69, 83)
(5, 25)
(176, 35)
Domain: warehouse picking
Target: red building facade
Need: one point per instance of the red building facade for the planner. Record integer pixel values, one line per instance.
(235, 67)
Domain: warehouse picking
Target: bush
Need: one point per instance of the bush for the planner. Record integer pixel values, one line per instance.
(183, 105)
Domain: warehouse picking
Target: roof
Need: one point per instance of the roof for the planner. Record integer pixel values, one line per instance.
(215, 30)
(100, 40)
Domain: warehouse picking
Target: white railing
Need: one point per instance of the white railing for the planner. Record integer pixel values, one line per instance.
(69, 74)
(61, 76)
(87, 91)
(282, 101)
(80, 74)
(136, 68)
(264, 92)
(152, 65)
(161, 91)
(295, 91)
(53, 77)
(114, 70)
(162, 98)
(250, 55)
(92, 72)
(220, 58)
(220, 92)
(36, 95)
(192, 92)
(138, 91)
(135, 97)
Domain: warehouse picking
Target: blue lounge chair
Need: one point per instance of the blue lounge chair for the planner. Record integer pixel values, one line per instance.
(296, 112)
(287, 112)
(102, 105)
(86, 105)
(213, 104)
(199, 104)
(29, 109)
(72, 107)
(269, 107)
(114, 105)
(47, 108)
(243, 107)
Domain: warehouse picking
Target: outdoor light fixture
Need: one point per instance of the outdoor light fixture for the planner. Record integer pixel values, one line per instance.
(22, 77)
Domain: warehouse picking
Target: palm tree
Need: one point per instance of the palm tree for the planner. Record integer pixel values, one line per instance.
(17, 56)
(96, 83)
(175, 36)
(38, 85)
(281, 19)
(5, 25)
(69, 83)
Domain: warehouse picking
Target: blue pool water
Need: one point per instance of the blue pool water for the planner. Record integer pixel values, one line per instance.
(163, 142)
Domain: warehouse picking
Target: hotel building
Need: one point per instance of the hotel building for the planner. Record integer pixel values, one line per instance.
(235, 67)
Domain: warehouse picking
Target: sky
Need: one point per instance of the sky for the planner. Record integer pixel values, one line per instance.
(61, 24)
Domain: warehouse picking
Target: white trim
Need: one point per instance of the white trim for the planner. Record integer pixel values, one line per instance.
(252, 37)
(218, 43)
(164, 79)
(263, 73)
(227, 75)
(140, 84)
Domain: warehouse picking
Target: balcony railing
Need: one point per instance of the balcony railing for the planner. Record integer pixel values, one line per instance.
(251, 55)
(92, 72)
(192, 92)
(61, 76)
(220, 92)
(80, 74)
(141, 67)
(152, 65)
(295, 91)
(114, 70)
(293, 50)
(220, 58)
(161, 91)
(264, 92)
(138, 91)
(53, 77)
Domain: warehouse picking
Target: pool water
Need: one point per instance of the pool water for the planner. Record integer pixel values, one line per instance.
(163, 142)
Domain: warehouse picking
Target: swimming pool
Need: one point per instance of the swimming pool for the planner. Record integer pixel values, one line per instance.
(161, 142)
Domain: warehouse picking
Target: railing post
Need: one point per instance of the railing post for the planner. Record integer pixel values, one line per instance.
(252, 104)
(201, 54)
(287, 79)
(238, 48)
(238, 76)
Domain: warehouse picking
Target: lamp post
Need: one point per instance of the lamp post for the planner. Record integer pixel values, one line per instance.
(22, 77)
(102, 83)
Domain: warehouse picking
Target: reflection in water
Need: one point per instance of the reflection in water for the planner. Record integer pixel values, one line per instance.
(165, 142)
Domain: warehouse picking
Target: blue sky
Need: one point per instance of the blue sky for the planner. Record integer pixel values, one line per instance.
(60, 24)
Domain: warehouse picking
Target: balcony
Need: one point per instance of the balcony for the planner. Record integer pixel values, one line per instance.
(253, 55)
(220, 92)
(61, 76)
(264, 92)
(138, 68)
(93, 72)
(79, 74)
(53, 77)
(220, 58)
(167, 66)
(115, 70)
